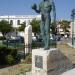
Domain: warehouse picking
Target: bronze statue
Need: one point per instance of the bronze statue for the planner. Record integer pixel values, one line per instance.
(45, 8)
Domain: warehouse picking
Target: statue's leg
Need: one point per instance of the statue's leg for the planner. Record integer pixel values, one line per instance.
(42, 28)
(47, 32)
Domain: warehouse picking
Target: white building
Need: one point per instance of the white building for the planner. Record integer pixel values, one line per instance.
(16, 20)
(60, 30)
(72, 29)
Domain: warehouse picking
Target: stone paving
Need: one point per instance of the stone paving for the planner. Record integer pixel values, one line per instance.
(70, 72)
(67, 50)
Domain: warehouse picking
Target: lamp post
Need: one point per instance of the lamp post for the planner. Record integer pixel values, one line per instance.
(73, 17)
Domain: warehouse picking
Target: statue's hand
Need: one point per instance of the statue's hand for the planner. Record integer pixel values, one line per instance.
(34, 6)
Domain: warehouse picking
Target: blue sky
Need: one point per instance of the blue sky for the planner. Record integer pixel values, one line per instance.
(23, 7)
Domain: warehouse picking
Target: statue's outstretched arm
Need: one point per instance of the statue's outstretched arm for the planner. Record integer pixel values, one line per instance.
(53, 9)
(54, 14)
(34, 7)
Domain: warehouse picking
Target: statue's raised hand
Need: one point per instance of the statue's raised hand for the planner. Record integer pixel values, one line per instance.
(34, 6)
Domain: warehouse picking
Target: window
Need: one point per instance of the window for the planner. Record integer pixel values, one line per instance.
(18, 22)
(11, 22)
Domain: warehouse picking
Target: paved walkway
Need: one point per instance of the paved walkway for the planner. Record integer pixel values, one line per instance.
(67, 50)
(70, 72)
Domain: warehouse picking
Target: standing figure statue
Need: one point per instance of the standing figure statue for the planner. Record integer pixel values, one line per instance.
(45, 8)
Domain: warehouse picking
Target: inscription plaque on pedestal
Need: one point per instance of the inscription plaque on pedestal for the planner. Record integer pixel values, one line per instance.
(38, 61)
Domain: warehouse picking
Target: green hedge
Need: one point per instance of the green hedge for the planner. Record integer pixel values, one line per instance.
(7, 55)
(2, 38)
(28, 59)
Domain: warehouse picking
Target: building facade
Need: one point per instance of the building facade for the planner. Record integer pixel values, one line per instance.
(16, 20)
(60, 30)
(72, 29)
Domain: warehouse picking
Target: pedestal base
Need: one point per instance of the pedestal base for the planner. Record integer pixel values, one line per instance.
(49, 62)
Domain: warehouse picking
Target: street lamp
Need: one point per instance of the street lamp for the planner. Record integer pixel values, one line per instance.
(73, 17)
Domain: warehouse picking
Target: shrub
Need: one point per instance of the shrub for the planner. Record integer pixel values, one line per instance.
(9, 59)
(7, 55)
(28, 58)
(2, 38)
(34, 45)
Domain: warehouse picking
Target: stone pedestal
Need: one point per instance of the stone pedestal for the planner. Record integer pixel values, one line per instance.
(49, 62)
